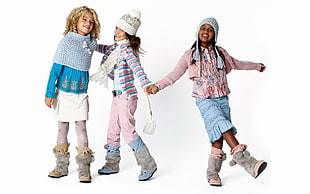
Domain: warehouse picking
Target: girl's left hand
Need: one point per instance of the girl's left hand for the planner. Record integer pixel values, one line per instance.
(263, 68)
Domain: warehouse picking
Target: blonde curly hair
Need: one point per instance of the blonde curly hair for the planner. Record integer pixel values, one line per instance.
(74, 16)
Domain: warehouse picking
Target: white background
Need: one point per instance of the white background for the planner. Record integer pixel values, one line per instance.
(269, 109)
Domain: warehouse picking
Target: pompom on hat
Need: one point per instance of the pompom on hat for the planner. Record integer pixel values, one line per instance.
(130, 22)
(211, 21)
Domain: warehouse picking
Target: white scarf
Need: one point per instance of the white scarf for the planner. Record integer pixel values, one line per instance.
(105, 68)
(150, 124)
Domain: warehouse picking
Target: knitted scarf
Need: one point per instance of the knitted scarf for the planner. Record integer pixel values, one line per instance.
(101, 75)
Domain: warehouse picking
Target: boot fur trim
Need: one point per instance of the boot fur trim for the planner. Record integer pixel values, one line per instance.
(61, 149)
(217, 153)
(238, 148)
(83, 151)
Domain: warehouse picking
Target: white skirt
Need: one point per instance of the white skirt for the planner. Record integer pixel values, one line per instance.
(71, 107)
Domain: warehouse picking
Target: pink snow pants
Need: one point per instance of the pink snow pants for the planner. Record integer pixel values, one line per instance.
(122, 120)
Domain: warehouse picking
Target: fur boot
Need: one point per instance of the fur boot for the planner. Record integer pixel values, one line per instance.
(214, 166)
(62, 161)
(144, 159)
(147, 163)
(243, 158)
(83, 159)
(112, 160)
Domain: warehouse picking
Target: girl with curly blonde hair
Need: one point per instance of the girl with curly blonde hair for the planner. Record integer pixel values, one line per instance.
(67, 87)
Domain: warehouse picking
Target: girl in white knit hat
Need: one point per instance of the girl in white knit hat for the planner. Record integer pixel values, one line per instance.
(208, 65)
(67, 89)
(120, 62)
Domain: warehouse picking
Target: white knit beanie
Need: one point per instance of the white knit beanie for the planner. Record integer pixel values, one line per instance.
(130, 22)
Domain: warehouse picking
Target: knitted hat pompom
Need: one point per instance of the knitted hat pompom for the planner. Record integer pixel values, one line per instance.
(135, 14)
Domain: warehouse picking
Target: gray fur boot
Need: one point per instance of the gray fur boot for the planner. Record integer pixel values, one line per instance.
(62, 161)
(214, 166)
(112, 160)
(243, 158)
(144, 159)
(147, 163)
(83, 159)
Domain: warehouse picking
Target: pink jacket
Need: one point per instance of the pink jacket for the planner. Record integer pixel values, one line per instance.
(194, 70)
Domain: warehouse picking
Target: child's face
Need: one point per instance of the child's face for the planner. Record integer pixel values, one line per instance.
(119, 34)
(206, 35)
(85, 24)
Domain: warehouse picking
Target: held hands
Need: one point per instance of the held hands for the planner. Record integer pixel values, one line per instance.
(151, 89)
(49, 101)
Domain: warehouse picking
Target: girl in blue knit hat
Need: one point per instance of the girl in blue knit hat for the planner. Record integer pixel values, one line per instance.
(208, 65)
(67, 86)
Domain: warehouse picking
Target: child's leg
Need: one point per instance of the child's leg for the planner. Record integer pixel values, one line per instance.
(143, 158)
(114, 130)
(61, 152)
(215, 161)
(242, 157)
(85, 154)
(80, 128)
(112, 157)
(131, 137)
(230, 139)
(63, 128)
(127, 108)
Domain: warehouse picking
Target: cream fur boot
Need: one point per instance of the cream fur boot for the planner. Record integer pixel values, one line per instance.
(62, 161)
(83, 159)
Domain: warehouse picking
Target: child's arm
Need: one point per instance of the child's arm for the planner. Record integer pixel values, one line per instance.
(101, 48)
(135, 65)
(51, 85)
(247, 65)
(232, 63)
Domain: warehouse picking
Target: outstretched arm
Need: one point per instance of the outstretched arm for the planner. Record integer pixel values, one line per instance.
(173, 76)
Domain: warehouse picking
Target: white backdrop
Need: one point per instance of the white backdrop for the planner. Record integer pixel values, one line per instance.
(268, 109)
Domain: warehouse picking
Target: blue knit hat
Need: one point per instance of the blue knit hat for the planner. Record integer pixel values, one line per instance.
(211, 21)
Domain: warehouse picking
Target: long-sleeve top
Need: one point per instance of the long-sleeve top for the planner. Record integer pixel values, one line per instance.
(209, 81)
(128, 65)
(66, 79)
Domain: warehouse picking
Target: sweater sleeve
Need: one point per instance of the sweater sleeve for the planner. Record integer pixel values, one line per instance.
(246, 65)
(52, 81)
(176, 73)
(101, 48)
(232, 63)
(135, 65)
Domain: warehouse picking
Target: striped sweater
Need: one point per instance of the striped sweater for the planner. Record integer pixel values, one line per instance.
(129, 65)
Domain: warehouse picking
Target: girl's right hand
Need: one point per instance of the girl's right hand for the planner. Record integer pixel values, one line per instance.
(49, 101)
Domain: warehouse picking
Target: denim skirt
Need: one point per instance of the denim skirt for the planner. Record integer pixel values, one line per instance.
(215, 113)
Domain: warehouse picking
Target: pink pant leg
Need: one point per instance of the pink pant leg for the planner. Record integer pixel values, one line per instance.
(122, 120)
(126, 117)
(114, 129)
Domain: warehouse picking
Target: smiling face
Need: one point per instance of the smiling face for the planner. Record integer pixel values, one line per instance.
(206, 35)
(85, 24)
(119, 34)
